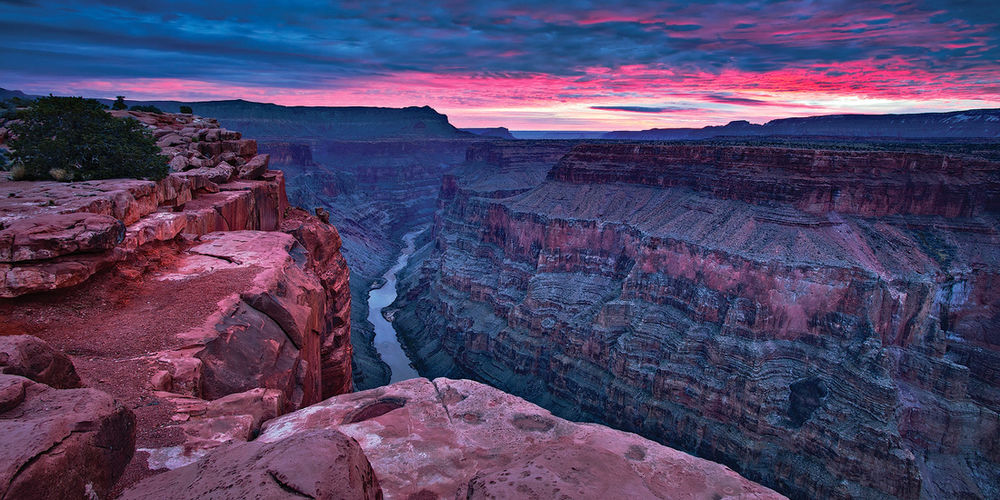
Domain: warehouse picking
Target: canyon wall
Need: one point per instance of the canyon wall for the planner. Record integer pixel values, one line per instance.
(374, 192)
(823, 322)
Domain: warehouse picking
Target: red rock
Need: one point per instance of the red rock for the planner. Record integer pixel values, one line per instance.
(446, 438)
(51, 235)
(323, 243)
(268, 334)
(254, 168)
(321, 463)
(32, 358)
(178, 163)
(61, 443)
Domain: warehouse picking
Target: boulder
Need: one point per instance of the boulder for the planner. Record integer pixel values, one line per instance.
(255, 168)
(171, 139)
(32, 358)
(61, 443)
(178, 163)
(322, 463)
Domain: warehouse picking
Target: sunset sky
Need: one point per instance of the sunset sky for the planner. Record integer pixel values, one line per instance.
(535, 65)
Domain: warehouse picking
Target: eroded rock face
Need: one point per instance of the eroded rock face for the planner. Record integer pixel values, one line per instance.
(182, 297)
(322, 242)
(32, 358)
(265, 335)
(320, 463)
(462, 439)
(824, 322)
(53, 235)
(61, 443)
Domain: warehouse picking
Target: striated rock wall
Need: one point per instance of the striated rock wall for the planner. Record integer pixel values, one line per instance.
(821, 321)
(816, 182)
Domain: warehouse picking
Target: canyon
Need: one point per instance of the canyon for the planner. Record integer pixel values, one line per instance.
(821, 320)
(191, 336)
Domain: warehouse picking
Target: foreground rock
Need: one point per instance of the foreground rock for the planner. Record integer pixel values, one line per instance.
(202, 301)
(32, 358)
(321, 464)
(61, 443)
(824, 321)
(461, 439)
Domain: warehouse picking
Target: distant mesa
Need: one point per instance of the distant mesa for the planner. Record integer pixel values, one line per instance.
(499, 132)
(969, 124)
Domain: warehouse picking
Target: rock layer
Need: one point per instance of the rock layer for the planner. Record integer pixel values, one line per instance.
(462, 439)
(202, 300)
(823, 322)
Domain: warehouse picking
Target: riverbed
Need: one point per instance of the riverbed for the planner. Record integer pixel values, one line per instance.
(386, 342)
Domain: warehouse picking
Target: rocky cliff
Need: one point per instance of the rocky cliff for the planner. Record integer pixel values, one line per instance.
(374, 191)
(821, 321)
(202, 302)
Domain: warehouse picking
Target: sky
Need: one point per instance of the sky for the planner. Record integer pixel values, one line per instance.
(535, 65)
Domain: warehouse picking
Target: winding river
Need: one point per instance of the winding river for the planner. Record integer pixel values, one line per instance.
(386, 342)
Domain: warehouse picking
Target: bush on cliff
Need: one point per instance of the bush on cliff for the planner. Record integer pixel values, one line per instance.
(119, 103)
(147, 108)
(74, 139)
(186, 110)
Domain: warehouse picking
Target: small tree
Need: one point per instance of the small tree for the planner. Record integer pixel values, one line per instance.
(74, 139)
(119, 103)
(147, 108)
(186, 110)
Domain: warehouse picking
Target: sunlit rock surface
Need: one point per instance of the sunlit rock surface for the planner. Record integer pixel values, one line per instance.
(462, 439)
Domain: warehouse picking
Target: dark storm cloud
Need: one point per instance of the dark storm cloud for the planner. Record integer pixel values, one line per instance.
(309, 45)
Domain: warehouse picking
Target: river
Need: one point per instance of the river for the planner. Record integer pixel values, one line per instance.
(386, 342)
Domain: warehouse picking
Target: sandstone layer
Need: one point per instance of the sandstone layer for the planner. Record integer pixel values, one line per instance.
(823, 322)
(462, 439)
(201, 301)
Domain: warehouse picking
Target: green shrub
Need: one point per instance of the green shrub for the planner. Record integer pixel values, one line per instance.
(186, 110)
(78, 140)
(149, 109)
(119, 103)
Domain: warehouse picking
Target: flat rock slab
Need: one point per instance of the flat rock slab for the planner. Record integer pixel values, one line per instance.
(61, 443)
(320, 463)
(51, 235)
(462, 439)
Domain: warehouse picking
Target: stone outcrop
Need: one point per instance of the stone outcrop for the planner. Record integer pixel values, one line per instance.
(33, 359)
(321, 464)
(822, 321)
(61, 443)
(202, 300)
(322, 242)
(462, 439)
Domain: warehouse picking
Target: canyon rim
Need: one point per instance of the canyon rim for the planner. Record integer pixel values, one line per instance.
(399, 250)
